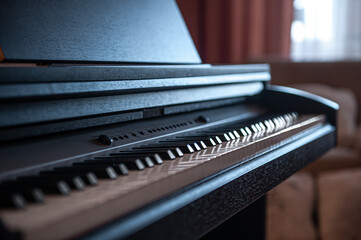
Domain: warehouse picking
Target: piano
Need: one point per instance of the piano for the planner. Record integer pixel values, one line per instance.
(111, 127)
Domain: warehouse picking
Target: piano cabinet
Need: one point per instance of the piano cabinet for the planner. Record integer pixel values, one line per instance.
(111, 127)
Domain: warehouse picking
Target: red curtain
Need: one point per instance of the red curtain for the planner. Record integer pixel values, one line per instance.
(239, 31)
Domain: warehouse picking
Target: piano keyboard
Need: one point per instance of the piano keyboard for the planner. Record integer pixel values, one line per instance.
(69, 200)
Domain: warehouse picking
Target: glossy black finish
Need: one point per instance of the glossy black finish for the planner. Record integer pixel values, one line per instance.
(137, 31)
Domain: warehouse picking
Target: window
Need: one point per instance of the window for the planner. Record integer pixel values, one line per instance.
(326, 30)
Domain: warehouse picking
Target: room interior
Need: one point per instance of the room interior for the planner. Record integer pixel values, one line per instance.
(135, 120)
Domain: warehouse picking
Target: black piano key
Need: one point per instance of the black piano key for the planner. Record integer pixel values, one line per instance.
(49, 186)
(131, 164)
(178, 148)
(208, 139)
(35, 195)
(155, 158)
(88, 178)
(204, 141)
(12, 200)
(74, 182)
(164, 154)
(197, 145)
(221, 135)
(99, 170)
(118, 167)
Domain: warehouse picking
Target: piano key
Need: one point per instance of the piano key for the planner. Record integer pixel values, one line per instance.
(193, 145)
(35, 194)
(248, 130)
(176, 150)
(50, 186)
(196, 145)
(100, 171)
(236, 134)
(207, 142)
(12, 200)
(74, 182)
(210, 160)
(129, 163)
(184, 148)
(88, 177)
(118, 167)
(220, 137)
(164, 154)
(156, 158)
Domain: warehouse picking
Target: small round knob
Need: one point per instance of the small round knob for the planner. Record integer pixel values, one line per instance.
(105, 139)
(202, 118)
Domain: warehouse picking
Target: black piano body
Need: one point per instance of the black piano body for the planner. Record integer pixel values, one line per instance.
(82, 80)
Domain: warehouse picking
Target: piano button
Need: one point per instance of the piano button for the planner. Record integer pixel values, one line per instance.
(99, 171)
(105, 139)
(12, 200)
(129, 163)
(203, 119)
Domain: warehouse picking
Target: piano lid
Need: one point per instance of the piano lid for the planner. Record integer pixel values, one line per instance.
(127, 31)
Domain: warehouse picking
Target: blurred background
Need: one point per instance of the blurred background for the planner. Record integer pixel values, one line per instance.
(312, 45)
(242, 31)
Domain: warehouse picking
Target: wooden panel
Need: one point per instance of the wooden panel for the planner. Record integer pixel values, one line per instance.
(90, 30)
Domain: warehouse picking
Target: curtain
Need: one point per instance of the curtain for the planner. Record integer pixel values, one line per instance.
(239, 31)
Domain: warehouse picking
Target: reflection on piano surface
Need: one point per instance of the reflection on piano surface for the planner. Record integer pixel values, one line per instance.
(105, 137)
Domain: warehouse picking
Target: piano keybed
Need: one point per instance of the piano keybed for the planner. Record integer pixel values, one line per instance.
(69, 200)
